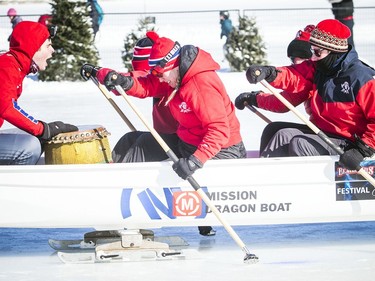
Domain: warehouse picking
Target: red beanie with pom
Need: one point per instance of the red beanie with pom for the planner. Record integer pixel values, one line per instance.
(332, 35)
(164, 53)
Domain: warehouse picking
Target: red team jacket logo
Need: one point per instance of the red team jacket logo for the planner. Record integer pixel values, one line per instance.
(186, 203)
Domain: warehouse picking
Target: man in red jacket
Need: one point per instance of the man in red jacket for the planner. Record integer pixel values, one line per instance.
(127, 149)
(185, 80)
(340, 90)
(30, 48)
(207, 125)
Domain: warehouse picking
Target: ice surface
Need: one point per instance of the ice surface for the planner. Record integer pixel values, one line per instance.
(338, 251)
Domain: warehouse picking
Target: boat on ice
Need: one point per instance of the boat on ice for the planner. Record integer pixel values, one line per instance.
(250, 191)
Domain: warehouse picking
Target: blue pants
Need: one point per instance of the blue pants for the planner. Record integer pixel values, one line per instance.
(19, 148)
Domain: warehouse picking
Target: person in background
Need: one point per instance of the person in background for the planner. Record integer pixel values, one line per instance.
(343, 11)
(226, 25)
(14, 18)
(298, 51)
(341, 93)
(45, 19)
(226, 29)
(96, 14)
(29, 49)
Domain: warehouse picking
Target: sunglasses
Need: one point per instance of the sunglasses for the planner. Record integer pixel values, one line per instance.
(317, 52)
(52, 29)
(156, 73)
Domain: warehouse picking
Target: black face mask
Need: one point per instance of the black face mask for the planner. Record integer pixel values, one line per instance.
(327, 64)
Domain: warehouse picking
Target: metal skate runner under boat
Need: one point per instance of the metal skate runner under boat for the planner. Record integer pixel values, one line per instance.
(132, 246)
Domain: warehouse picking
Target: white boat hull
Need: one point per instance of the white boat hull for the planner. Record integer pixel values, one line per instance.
(140, 195)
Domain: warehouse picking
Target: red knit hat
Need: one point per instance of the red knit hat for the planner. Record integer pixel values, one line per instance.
(332, 35)
(141, 54)
(164, 53)
(306, 33)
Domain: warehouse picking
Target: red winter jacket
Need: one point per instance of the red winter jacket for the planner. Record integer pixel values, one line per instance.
(162, 118)
(271, 103)
(14, 66)
(342, 104)
(205, 115)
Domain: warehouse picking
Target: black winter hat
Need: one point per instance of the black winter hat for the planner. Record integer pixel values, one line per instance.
(225, 14)
(299, 48)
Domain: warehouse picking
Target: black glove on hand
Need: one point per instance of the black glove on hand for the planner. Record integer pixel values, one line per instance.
(257, 73)
(185, 167)
(249, 98)
(113, 79)
(54, 128)
(351, 159)
(88, 70)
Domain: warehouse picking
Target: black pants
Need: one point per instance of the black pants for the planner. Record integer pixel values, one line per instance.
(281, 139)
(142, 147)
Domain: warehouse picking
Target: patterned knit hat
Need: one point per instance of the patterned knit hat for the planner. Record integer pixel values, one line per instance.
(164, 53)
(332, 35)
(141, 54)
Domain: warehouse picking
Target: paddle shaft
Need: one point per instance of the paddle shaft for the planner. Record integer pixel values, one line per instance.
(262, 116)
(190, 179)
(314, 128)
(113, 103)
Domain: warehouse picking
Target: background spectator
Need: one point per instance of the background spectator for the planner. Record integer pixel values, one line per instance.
(343, 11)
(45, 19)
(96, 15)
(14, 18)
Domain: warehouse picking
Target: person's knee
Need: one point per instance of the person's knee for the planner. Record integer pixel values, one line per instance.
(31, 151)
(145, 139)
(300, 146)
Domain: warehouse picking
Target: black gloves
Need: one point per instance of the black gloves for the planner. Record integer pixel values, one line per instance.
(54, 128)
(111, 80)
(257, 73)
(249, 98)
(88, 70)
(185, 167)
(114, 79)
(351, 159)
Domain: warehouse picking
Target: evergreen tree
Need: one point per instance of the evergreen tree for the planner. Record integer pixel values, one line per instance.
(245, 46)
(144, 25)
(73, 43)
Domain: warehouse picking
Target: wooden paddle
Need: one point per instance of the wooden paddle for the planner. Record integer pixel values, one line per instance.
(112, 102)
(249, 258)
(314, 128)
